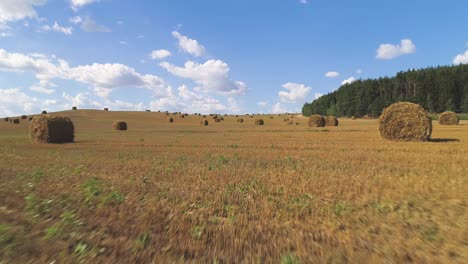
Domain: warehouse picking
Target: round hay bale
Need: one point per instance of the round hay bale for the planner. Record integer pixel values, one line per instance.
(316, 121)
(222, 118)
(204, 116)
(44, 112)
(6, 119)
(106, 109)
(119, 125)
(204, 122)
(24, 117)
(259, 122)
(30, 118)
(331, 121)
(171, 120)
(240, 120)
(182, 116)
(74, 108)
(167, 113)
(286, 120)
(271, 117)
(405, 121)
(16, 121)
(52, 129)
(353, 118)
(217, 120)
(147, 110)
(448, 119)
(290, 123)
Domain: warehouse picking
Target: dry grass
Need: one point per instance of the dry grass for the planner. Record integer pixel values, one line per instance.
(183, 193)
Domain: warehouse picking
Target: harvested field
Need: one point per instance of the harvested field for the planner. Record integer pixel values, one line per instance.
(231, 193)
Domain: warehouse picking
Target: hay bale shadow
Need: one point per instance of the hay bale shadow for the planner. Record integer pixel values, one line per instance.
(443, 140)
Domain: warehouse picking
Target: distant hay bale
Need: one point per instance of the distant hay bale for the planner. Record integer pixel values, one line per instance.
(106, 109)
(251, 116)
(222, 118)
(240, 120)
(16, 121)
(353, 118)
(297, 123)
(44, 112)
(167, 113)
(271, 117)
(259, 122)
(24, 117)
(119, 125)
(30, 118)
(448, 119)
(217, 120)
(147, 110)
(237, 115)
(316, 121)
(6, 119)
(204, 122)
(204, 116)
(286, 120)
(182, 116)
(171, 120)
(52, 129)
(290, 123)
(331, 121)
(74, 108)
(405, 121)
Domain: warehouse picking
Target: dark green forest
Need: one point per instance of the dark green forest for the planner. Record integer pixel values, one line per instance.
(437, 89)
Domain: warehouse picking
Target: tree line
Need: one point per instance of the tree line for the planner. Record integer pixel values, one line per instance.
(437, 89)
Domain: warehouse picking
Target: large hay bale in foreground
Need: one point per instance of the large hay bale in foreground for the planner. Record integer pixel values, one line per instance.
(259, 122)
(119, 125)
(204, 122)
(316, 121)
(448, 119)
(405, 121)
(331, 121)
(52, 129)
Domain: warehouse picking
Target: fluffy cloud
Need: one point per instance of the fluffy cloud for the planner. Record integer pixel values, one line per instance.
(188, 45)
(76, 4)
(103, 77)
(212, 76)
(348, 81)
(461, 58)
(297, 92)
(13, 102)
(14, 10)
(390, 51)
(262, 103)
(56, 27)
(90, 25)
(278, 109)
(332, 74)
(76, 20)
(41, 89)
(160, 54)
(317, 95)
(188, 101)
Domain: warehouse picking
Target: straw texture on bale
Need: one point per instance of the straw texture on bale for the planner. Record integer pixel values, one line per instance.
(52, 129)
(448, 119)
(171, 120)
(204, 122)
(405, 121)
(331, 121)
(316, 121)
(259, 122)
(119, 125)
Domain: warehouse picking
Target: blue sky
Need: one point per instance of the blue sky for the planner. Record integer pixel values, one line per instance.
(211, 55)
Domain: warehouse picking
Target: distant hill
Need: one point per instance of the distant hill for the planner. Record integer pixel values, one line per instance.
(436, 89)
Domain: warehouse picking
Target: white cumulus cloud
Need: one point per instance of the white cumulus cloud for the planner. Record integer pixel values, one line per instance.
(76, 4)
(76, 20)
(296, 92)
(90, 25)
(212, 76)
(188, 45)
(14, 10)
(57, 28)
(332, 74)
(160, 54)
(390, 51)
(461, 58)
(348, 81)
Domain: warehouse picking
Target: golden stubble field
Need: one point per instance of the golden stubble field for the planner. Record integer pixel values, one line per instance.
(231, 193)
